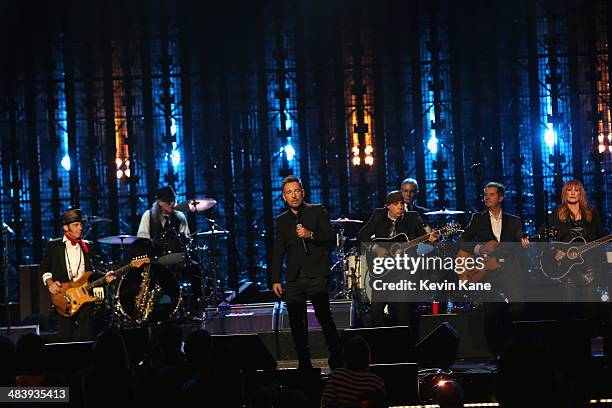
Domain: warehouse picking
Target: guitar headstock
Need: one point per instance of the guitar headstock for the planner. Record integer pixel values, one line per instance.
(140, 261)
(448, 229)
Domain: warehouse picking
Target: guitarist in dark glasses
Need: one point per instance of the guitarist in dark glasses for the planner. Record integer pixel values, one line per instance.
(67, 259)
(388, 222)
(576, 221)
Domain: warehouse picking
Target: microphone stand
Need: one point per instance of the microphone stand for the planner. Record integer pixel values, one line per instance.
(5, 266)
(546, 221)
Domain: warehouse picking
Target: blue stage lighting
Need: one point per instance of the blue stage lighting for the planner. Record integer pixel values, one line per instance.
(66, 163)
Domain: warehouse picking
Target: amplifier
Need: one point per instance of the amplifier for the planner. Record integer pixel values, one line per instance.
(247, 318)
(15, 332)
(33, 295)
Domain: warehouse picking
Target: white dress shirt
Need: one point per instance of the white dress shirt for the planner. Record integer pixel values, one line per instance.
(75, 261)
(496, 225)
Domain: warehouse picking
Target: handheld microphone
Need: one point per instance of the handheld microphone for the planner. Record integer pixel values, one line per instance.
(299, 225)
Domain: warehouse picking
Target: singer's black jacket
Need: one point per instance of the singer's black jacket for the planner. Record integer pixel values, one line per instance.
(54, 261)
(287, 245)
(379, 225)
(480, 231)
(590, 230)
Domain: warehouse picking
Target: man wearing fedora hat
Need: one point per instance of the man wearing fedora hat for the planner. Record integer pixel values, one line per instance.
(162, 216)
(67, 259)
(386, 223)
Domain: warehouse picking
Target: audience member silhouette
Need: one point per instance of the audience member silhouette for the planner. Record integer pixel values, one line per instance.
(7, 362)
(354, 385)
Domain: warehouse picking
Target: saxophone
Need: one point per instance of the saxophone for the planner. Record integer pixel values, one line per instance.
(146, 299)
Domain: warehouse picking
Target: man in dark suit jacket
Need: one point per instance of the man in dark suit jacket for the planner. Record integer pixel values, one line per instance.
(67, 259)
(385, 223)
(304, 236)
(410, 190)
(486, 229)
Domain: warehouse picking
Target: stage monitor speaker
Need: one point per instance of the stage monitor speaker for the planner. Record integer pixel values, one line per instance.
(470, 327)
(401, 382)
(137, 344)
(439, 348)
(69, 358)
(248, 349)
(263, 386)
(568, 340)
(248, 292)
(15, 332)
(387, 344)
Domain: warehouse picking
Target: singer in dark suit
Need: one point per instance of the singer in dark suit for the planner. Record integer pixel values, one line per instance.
(304, 237)
(485, 229)
(67, 259)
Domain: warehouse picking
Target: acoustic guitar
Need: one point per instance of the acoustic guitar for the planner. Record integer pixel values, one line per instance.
(73, 295)
(558, 269)
(491, 262)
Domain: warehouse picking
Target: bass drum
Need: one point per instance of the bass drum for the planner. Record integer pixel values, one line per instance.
(167, 302)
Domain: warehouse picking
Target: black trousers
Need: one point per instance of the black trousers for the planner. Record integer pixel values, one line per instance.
(317, 291)
(79, 327)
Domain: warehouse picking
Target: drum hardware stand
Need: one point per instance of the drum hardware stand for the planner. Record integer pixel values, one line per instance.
(215, 297)
(342, 257)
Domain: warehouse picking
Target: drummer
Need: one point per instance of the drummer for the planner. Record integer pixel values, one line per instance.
(162, 216)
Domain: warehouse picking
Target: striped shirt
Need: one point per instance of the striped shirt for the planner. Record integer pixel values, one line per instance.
(347, 387)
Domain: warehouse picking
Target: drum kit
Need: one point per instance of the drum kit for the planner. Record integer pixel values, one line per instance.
(184, 271)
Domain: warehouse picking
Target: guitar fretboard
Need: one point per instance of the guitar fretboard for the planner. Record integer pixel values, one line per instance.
(595, 243)
(100, 282)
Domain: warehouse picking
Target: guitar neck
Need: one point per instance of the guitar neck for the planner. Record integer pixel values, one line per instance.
(596, 243)
(102, 281)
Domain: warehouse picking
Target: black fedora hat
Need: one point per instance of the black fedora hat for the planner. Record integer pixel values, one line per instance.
(73, 215)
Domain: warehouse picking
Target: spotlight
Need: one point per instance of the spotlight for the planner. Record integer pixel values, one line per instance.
(356, 161)
(176, 158)
(550, 136)
(432, 144)
(66, 163)
(289, 152)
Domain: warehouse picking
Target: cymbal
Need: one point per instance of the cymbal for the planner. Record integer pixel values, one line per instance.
(209, 233)
(94, 219)
(118, 239)
(196, 204)
(345, 221)
(445, 212)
